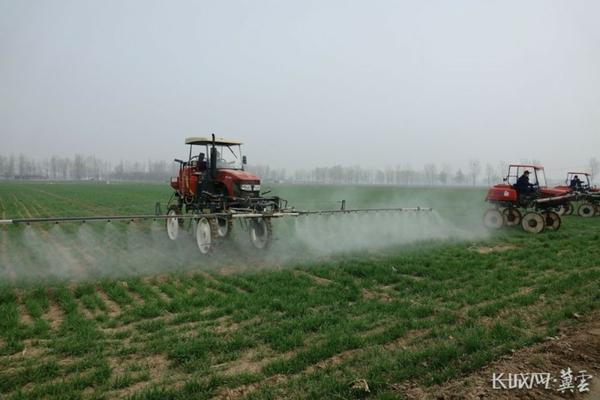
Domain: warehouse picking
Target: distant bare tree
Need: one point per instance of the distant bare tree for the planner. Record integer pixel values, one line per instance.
(430, 173)
(78, 167)
(490, 173)
(22, 165)
(443, 177)
(459, 177)
(10, 167)
(474, 170)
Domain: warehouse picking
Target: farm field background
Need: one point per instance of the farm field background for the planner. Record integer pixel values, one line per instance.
(410, 301)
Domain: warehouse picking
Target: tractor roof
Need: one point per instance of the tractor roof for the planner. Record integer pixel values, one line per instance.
(579, 173)
(207, 140)
(527, 166)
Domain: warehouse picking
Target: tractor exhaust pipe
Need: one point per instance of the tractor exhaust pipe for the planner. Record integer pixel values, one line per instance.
(213, 159)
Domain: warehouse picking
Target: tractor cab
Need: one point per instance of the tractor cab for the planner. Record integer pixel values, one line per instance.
(578, 182)
(215, 166)
(537, 178)
(506, 193)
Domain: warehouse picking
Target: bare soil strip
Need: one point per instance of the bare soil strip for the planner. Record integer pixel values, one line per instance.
(53, 315)
(244, 390)
(575, 347)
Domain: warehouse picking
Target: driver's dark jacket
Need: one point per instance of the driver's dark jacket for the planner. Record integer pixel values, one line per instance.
(522, 185)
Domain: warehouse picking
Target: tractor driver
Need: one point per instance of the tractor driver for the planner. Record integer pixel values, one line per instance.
(523, 186)
(201, 163)
(576, 183)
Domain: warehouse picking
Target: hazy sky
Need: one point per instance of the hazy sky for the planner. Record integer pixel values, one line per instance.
(304, 83)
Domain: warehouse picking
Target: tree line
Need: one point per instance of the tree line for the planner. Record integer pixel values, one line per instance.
(80, 167)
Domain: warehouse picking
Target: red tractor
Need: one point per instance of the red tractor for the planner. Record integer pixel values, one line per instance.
(534, 210)
(580, 183)
(213, 182)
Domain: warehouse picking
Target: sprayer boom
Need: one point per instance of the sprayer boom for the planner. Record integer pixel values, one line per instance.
(229, 214)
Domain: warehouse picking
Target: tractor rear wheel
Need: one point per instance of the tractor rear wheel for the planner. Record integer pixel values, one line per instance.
(206, 234)
(511, 216)
(552, 220)
(586, 210)
(493, 219)
(533, 222)
(261, 232)
(174, 223)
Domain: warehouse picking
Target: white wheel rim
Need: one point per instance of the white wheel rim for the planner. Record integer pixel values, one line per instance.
(533, 223)
(203, 235)
(172, 225)
(223, 229)
(493, 219)
(586, 210)
(259, 240)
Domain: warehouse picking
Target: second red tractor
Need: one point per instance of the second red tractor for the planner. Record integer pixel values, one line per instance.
(535, 210)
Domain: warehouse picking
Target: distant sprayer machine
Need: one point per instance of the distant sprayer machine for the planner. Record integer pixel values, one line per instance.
(211, 191)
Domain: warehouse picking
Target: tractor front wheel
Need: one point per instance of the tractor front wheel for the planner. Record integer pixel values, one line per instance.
(533, 222)
(261, 232)
(552, 220)
(511, 216)
(492, 219)
(586, 210)
(206, 234)
(173, 222)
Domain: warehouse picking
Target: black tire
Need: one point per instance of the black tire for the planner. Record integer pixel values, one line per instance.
(569, 208)
(552, 220)
(511, 216)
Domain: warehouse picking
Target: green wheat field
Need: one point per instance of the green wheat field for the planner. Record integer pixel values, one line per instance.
(116, 310)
